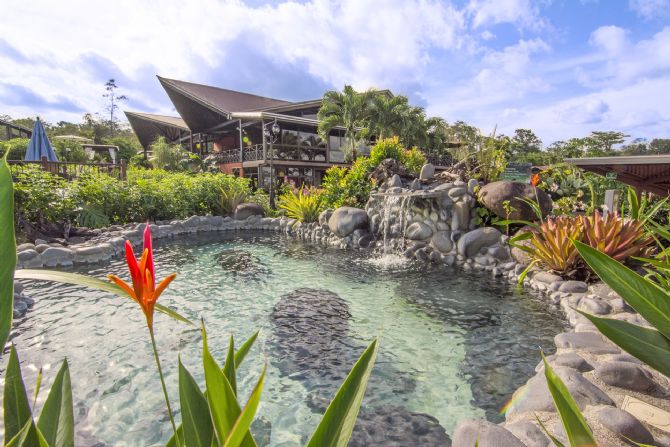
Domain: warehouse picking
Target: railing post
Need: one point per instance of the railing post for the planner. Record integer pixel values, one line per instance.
(123, 169)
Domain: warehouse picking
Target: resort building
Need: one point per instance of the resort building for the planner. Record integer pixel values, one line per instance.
(248, 135)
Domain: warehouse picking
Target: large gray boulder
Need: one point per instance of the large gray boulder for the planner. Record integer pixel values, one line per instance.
(472, 242)
(535, 395)
(418, 231)
(624, 424)
(246, 210)
(483, 433)
(346, 219)
(493, 196)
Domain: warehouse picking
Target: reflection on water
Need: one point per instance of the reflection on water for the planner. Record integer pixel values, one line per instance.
(453, 344)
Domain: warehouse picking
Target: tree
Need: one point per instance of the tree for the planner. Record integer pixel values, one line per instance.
(638, 146)
(387, 115)
(659, 146)
(523, 142)
(349, 109)
(601, 144)
(114, 99)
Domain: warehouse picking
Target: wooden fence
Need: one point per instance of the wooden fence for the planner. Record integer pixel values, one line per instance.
(70, 170)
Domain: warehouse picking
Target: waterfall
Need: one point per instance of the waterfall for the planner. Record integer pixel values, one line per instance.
(394, 215)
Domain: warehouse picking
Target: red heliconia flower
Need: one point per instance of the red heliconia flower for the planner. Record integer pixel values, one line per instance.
(143, 276)
(535, 179)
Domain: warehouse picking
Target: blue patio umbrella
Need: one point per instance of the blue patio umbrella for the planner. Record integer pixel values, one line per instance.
(39, 145)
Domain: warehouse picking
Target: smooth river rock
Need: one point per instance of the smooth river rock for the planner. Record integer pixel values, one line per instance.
(418, 231)
(346, 219)
(530, 434)
(624, 424)
(246, 210)
(493, 195)
(587, 341)
(427, 172)
(535, 396)
(442, 241)
(484, 434)
(626, 375)
(472, 242)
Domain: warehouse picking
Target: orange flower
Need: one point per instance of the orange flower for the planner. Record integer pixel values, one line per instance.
(535, 179)
(143, 276)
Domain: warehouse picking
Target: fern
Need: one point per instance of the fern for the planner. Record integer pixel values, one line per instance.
(92, 217)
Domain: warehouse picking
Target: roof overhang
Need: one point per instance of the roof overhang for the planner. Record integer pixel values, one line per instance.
(259, 116)
(148, 127)
(644, 172)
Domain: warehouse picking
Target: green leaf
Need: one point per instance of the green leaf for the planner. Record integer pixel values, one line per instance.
(246, 417)
(648, 299)
(505, 222)
(197, 424)
(173, 441)
(244, 349)
(15, 401)
(223, 405)
(578, 432)
(56, 421)
(339, 419)
(7, 251)
(229, 366)
(21, 437)
(553, 439)
(38, 384)
(648, 345)
(87, 281)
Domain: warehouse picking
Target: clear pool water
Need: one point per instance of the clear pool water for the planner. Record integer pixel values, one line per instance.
(453, 344)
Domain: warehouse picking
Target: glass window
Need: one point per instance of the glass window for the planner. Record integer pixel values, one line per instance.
(335, 142)
(294, 172)
(307, 172)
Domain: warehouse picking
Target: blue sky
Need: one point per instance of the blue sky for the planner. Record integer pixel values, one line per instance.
(560, 67)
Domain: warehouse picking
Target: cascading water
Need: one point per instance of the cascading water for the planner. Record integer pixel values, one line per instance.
(393, 211)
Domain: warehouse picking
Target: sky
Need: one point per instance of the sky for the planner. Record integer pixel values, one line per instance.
(560, 67)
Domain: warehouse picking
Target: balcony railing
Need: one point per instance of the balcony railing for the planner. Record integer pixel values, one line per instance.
(440, 160)
(281, 152)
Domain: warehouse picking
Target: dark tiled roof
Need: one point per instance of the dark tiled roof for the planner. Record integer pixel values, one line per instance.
(220, 99)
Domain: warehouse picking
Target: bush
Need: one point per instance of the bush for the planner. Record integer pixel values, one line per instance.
(98, 199)
(70, 150)
(413, 159)
(165, 155)
(17, 148)
(303, 204)
(348, 186)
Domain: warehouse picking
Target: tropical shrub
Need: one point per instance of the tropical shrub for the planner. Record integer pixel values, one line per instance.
(413, 159)
(303, 204)
(551, 241)
(551, 244)
(618, 238)
(347, 186)
(99, 199)
(230, 198)
(42, 197)
(386, 148)
(17, 148)
(70, 150)
(165, 155)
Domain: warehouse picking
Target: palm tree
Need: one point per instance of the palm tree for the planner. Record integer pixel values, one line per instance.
(413, 130)
(349, 109)
(387, 115)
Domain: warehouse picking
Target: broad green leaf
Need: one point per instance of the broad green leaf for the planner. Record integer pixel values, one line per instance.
(244, 349)
(87, 281)
(223, 405)
(505, 222)
(578, 432)
(22, 436)
(229, 366)
(648, 299)
(521, 237)
(339, 419)
(7, 251)
(197, 424)
(244, 420)
(56, 421)
(648, 345)
(525, 272)
(173, 441)
(15, 401)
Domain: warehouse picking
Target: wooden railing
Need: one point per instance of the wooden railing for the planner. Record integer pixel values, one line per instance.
(70, 170)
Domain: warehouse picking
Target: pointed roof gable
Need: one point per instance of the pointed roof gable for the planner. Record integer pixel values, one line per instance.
(223, 100)
(148, 127)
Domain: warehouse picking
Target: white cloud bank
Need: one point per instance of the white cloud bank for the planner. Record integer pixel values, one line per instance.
(55, 56)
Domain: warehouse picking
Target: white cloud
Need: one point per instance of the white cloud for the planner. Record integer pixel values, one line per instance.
(332, 41)
(650, 9)
(523, 13)
(610, 38)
